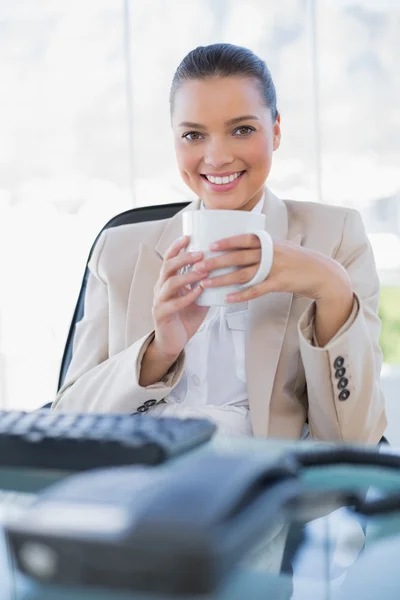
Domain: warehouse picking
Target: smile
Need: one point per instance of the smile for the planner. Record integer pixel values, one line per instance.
(219, 180)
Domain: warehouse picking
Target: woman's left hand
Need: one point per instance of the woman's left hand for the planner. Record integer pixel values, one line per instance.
(295, 269)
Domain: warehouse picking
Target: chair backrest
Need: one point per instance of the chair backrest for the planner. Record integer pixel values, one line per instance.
(134, 215)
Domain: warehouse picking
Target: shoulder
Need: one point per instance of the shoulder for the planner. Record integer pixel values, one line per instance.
(323, 226)
(120, 245)
(313, 214)
(134, 234)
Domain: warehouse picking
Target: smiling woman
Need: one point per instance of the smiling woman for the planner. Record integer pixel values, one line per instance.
(295, 352)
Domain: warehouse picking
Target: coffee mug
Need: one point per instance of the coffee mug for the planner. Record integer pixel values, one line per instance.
(204, 227)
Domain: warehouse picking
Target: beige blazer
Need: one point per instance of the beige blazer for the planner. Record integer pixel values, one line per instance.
(289, 379)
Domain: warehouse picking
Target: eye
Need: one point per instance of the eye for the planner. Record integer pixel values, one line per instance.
(243, 130)
(192, 136)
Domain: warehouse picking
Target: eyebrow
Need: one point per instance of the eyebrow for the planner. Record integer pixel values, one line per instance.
(233, 121)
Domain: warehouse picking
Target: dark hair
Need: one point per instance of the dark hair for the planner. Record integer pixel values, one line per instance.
(224, 60)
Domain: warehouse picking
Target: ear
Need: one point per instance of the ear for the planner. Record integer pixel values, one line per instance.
(277, 133)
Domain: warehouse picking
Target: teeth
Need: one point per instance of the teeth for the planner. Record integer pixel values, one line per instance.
(223, 180)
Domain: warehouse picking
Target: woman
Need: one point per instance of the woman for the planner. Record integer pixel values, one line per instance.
(300, 347)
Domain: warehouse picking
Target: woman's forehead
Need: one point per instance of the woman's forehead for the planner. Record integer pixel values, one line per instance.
(227, 97)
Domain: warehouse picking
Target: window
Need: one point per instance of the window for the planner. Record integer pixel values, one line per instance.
(64, 168)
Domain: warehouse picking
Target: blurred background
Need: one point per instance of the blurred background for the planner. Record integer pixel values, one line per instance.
(84, 134)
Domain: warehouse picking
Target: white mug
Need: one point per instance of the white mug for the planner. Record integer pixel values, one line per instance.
(204, 227)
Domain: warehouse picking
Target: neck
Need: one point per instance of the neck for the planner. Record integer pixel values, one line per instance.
(253, 201)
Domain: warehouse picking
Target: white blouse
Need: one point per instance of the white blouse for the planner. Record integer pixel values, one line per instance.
(215, 359)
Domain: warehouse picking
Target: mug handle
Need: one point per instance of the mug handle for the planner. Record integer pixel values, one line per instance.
(267, 257)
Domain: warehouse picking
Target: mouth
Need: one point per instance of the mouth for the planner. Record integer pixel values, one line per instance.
(223, 182)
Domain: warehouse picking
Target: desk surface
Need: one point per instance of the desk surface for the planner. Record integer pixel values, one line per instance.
(332, 551)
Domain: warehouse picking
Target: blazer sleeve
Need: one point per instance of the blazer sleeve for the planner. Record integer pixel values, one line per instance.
(345, 401)
(96, 381)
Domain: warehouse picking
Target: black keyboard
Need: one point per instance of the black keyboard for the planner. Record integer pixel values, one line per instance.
(76, 442)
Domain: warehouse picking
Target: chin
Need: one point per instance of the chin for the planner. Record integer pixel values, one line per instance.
(220, 204)
(224, 203)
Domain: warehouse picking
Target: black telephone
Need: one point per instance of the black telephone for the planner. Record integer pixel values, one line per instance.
(178, 528)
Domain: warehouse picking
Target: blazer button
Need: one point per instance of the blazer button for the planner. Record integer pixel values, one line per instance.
(342, 383)
(340, 373)
(142, 409)
(344, 395)
(339, 362)
(150, 403)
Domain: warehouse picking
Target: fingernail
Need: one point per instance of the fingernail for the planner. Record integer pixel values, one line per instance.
(200, 267)
(206, 282)
(196, 255)
(181, 239)
(214, 246)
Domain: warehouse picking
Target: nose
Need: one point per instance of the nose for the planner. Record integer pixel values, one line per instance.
(217, 153)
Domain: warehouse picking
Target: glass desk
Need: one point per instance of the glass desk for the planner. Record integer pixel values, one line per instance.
(334, 561)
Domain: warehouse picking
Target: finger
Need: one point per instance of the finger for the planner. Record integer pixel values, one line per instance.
(238, 258)
(238, 277)
(167, 309)
(246, 240)
(175, 264)
(176, 247)
(174, 284)
(253, 292)
(173, 251)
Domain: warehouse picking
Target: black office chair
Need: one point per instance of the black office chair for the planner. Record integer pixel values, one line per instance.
(134, 215)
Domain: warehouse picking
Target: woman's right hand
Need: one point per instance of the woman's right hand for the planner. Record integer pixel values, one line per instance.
(176, 315)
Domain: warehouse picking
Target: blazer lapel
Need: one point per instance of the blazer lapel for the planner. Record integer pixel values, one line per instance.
(268, 317)
(173, 229)
(139, 319)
